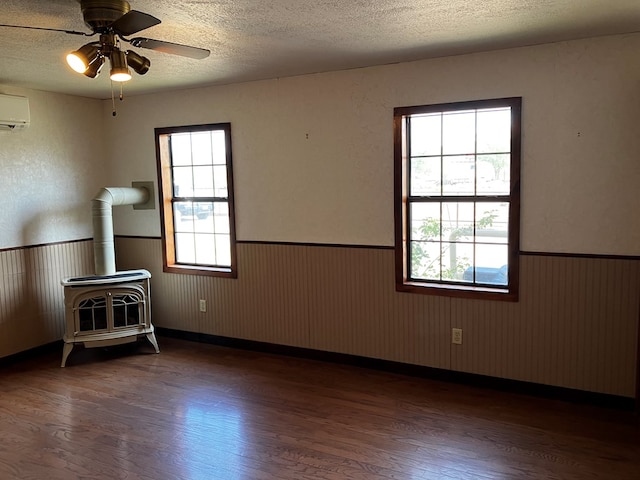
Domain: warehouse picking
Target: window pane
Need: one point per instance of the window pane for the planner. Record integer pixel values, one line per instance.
(457, 257)
(425, 221)
(492, 174)
(458, 175)
(185, 248)
(425, 260)
(494, 131)
(220, 182)
(203, 222)
(492, 264)
(221, 218)
(492, 222)
(457, 221)
(459, 133)
(177, 220)
(491, 255)
(201, 146)
(203, 181)
(182, 182)
(181, 149)
(426, 133)
(223, 250)
(219, 151)
(205, 249)
(425, 176)
(183, 212)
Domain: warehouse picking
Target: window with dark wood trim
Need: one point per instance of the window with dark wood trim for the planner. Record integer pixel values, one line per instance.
(196, 199)
(457, 198)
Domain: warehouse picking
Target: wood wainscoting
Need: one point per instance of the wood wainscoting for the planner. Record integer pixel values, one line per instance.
(31, 296)
(575, 325)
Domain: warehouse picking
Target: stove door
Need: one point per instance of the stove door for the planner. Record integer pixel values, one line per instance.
(108, 310)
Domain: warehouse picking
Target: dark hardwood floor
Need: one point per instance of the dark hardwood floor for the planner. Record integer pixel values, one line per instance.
(198, 411)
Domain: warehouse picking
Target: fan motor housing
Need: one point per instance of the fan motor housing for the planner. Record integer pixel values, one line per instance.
(99, 14)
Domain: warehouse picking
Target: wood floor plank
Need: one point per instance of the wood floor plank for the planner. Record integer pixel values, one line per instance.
(198, 411)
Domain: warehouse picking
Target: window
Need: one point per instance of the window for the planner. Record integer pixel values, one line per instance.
(196, 187)
(457, 198)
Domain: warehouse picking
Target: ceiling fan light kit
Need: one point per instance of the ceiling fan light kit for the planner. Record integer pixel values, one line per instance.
(119, 70)
(114, 20)
(94, 68)
(139, 63)
(94, 54)
(80, 60)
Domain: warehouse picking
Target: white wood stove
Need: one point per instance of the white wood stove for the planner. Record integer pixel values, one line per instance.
(106, 310)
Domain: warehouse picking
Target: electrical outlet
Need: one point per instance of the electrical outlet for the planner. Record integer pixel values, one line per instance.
(203, 305)
(456, 336)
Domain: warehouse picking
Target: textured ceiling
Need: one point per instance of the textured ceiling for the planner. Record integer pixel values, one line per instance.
(260, 39)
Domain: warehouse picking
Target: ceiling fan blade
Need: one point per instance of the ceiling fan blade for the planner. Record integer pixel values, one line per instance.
(168, 47)
(132, 22)
(71, 32)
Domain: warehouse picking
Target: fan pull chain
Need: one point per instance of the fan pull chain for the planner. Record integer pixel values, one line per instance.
(113, 101)
(113, 97)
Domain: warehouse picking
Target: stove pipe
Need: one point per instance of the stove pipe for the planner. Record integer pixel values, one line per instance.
(101, 211)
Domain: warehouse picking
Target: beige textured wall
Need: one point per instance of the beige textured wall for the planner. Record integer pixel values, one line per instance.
(50, 171)
(580, 168)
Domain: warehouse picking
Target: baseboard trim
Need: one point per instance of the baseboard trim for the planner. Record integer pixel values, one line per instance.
(32, 353)
(471, 379)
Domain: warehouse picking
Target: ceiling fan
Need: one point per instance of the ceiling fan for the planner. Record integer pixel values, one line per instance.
(114, 21)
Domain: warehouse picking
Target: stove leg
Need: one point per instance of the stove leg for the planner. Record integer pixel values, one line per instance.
(152, 338)
(65, 353)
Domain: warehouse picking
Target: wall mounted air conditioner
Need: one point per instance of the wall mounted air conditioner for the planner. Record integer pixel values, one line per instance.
(14, 112)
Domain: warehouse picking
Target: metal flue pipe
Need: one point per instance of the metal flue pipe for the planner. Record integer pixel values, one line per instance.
(101, 210)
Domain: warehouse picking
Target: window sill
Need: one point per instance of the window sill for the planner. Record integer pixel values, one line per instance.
(460, 291)
(200, 270)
